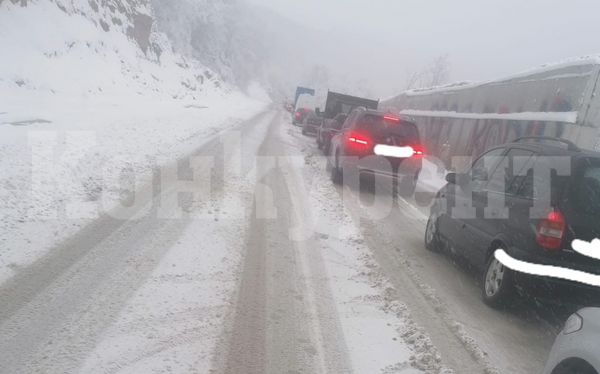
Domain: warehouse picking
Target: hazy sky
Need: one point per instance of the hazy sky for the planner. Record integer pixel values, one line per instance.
(484, 38)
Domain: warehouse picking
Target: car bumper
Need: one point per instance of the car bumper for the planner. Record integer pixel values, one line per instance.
(311, 128)
(553, 288)
(579, 345)
(407, 168)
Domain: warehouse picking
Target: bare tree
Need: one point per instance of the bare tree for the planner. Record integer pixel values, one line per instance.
(413, 80)
(439, 71)
(436, 74)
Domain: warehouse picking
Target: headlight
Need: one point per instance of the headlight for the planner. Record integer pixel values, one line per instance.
(573, 324)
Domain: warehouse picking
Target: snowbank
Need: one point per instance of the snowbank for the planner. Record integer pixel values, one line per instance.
(48, 168)
(258, 93)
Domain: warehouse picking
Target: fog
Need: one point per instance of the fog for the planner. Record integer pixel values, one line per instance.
(379, 43)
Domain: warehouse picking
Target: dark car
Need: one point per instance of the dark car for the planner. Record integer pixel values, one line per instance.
(499, 202)
(328, 129)
(377, 143)
(311, 122)
(299, 115)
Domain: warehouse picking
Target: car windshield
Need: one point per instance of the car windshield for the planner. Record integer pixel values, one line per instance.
(299, 186)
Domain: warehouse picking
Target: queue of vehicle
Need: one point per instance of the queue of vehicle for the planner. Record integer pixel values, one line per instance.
(495, 203)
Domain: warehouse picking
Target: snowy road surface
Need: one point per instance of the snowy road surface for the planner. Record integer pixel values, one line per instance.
(274, 271)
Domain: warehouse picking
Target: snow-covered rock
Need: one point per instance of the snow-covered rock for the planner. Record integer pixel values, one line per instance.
(86, 47)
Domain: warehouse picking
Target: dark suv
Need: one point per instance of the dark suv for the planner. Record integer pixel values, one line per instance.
(299, 116)
(531, 198)
(328, 129)
(311, 122)
(377, 143)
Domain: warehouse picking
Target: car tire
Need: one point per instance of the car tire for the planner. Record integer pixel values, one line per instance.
(406, 186)
(432, 235)
(337, 176)
(319, 143)
(326, 148)
(303, 130)
(497, 285)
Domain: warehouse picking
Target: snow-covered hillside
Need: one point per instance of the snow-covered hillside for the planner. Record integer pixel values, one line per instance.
(93, 84)
(80, 47)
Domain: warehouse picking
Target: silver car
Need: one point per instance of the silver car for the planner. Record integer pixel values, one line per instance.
(577, 348)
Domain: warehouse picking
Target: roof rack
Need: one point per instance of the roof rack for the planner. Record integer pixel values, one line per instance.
(570, 145)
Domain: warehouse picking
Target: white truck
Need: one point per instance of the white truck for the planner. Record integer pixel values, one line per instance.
(559, 100)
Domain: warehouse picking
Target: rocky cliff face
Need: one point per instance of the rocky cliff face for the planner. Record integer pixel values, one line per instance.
(132, 17)
(84, 47)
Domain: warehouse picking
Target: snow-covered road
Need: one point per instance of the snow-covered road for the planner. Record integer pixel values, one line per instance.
(276, 270)
(442, 290)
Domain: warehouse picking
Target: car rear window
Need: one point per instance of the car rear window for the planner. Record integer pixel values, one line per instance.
(586, 188)
(380, 125)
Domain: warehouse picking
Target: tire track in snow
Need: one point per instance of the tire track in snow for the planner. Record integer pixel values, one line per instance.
(426, 356)
(285, 319)
(54, 312)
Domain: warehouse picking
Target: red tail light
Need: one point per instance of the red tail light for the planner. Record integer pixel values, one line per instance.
(391, 118)
(418, 151)
(297, 114)
(358, 140)
(306, 110)
(551, 230)
(332, 133)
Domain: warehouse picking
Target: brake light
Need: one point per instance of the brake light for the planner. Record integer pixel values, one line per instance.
(358, 140)
(332, 133)
(297, 114)
(418, 151)
(551, 230)
(391, 118)
(306, 110)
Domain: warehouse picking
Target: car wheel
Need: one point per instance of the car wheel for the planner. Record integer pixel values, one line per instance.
(326, 148)
(574, 367)
(319, 143)
(407, 186)
(337, 176)
(498, 287)
(432, 235)
(303, 130)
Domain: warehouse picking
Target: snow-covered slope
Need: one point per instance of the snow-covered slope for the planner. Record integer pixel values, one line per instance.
(80, 47)
(92, 83)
